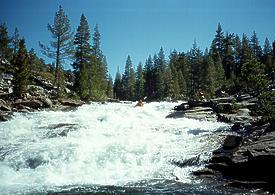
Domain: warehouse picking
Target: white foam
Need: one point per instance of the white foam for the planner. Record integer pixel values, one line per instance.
(109, 144)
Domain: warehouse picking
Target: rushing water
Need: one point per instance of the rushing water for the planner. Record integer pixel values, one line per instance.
(105, 148)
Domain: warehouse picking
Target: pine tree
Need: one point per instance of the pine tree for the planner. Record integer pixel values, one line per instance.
(246, 53)
(5, 51)
(195, 57)
(237, 49)
(255, 46)
(132, 85)
(21, 71)
(267, 59)
(96, 43)
(110, 92)
(149, 78)
(159, 71)
(217, 46)
(169, 84)
(118, 87)
(98, 74)
(182, 85)
(126, 78)
(228, 62)
(15, 41)
(211, 81)
(82, 57)
(253, 76)
(139, 82)
(184, 78)
(62, 45)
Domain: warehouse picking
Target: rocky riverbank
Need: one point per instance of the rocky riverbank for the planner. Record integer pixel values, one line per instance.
(41, 95)
(247, 155)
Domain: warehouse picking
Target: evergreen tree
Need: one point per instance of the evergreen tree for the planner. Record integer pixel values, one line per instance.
(149, 78)
(237, 49)
(246, 53)
(219, 76)
(169, 84)
(267, 59)
(267, 50)
(15, 41)
(140, 82)
(118, 87)
(98, 74)
(182, 85)
(21, 71)
(253, 76)
(96, 43)
(159, 71)
(62, 45)
(211, 82)
(228, 62)
(5, 51)
(196, 78)
(82, 57)
(217, 46)
(110, 92)
(255, 46)
(127, 79)
(184, 78)
(32, 60)
(132, 85)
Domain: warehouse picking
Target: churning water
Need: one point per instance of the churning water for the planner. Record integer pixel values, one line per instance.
(109, 147)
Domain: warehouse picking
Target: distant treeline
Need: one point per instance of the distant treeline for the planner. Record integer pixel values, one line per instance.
(231, 64)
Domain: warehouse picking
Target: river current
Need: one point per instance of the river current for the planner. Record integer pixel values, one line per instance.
(112, 148)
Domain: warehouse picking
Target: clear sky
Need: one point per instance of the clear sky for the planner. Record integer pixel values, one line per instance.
(140, 27)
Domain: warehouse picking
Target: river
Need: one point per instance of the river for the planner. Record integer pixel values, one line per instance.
(112, 148)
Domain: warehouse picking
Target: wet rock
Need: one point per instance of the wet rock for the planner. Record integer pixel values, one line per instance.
(204, 172)
(230, 99)
(187, 162)
(5, 116)
(250, 162)
(4, 106)
(34, 162)
(70, 102)
(183, 106)
(47, 103)
(60, 130)
(232, 141)
(34, 104)
(249, 184)
(177, 114)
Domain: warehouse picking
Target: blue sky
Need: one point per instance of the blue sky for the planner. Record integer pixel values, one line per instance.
(140, 27)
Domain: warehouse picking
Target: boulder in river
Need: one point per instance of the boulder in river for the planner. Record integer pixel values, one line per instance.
(33, 104)
(70, 102)
(4, 106)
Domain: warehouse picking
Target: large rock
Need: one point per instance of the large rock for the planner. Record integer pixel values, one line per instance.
(47, 103)
(70, 102)
(34, 104)
(252, 161)
(224, 107)
(232, 141)
(4, 106)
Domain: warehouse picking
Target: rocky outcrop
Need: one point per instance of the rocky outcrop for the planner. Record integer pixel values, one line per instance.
(248, 160)
(229, 109)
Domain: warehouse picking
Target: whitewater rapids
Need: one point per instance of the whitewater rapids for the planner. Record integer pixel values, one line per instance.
(101, 144)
